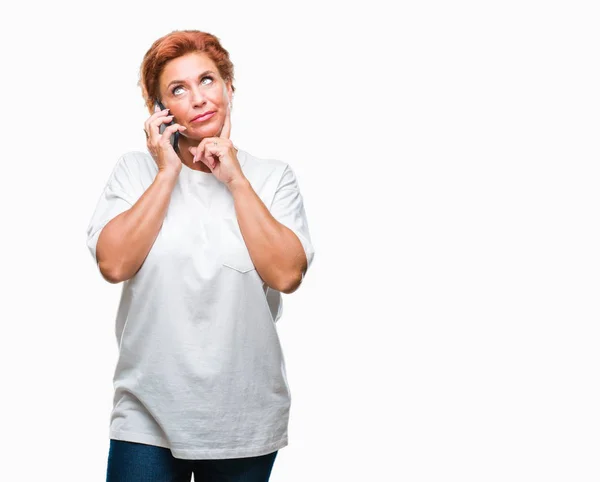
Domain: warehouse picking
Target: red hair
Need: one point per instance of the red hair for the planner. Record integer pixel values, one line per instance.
(176, 44)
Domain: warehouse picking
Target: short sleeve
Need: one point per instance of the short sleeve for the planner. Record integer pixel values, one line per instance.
(288, 208)
(116, 198)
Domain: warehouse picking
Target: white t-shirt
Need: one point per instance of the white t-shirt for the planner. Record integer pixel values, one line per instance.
(200, 368)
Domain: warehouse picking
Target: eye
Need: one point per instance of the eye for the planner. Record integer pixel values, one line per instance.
(179, 86)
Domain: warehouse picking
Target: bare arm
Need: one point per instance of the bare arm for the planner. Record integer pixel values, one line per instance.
(125, 242)
(274, 249)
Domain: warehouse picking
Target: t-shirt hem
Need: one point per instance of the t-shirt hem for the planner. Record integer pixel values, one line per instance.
(197, 454)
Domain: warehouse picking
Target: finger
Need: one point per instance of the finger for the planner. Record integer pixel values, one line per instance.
(171, 129)
(200, 149)
(202, 152)
(162, 119)
(209, 160)
(199, 153)
(147, 124)
(210, 157)
(206, 163)
(213, 152)
(155, 120)
(227, 124)
(195, 152)
(159, 113)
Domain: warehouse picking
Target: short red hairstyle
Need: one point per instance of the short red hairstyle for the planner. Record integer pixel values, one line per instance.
(176, 44)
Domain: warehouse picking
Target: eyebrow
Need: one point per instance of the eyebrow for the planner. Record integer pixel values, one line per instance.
(183, 81)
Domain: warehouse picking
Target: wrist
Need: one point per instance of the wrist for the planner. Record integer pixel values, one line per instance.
(238, 184)
(167, 176)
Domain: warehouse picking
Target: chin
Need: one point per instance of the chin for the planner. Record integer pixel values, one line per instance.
(201, 134)
(210, 133)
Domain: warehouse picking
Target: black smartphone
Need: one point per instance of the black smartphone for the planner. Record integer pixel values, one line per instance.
(163, 126)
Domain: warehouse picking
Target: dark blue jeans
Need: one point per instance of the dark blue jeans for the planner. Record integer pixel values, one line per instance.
(136, 462)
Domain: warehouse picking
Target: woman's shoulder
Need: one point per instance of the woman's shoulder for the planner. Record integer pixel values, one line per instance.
(135, 169)
(140, 164)
(137, 160)
(262, 166)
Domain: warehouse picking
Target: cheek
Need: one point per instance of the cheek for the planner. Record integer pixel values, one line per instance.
(218, 101)
(179, 116)
(178, 112)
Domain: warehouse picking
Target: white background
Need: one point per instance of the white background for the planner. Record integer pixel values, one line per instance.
(447, 153)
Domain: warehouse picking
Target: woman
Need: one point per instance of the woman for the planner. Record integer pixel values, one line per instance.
(205, 239)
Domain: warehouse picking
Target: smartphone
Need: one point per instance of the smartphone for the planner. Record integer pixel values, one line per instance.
(164, 125)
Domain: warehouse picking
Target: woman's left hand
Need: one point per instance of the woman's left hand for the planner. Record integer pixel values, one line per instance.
(219, 154)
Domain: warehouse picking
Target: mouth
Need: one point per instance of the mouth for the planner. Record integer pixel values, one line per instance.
(203, 117)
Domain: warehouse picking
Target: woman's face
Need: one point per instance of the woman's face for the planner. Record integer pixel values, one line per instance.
(191, 85)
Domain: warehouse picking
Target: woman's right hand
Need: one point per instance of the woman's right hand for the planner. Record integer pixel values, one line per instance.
(159, 145)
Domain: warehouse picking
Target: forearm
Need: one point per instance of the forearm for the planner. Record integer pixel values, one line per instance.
(127, 239)
(275, 250)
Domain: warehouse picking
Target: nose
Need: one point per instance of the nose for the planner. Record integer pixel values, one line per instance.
(197, 96)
